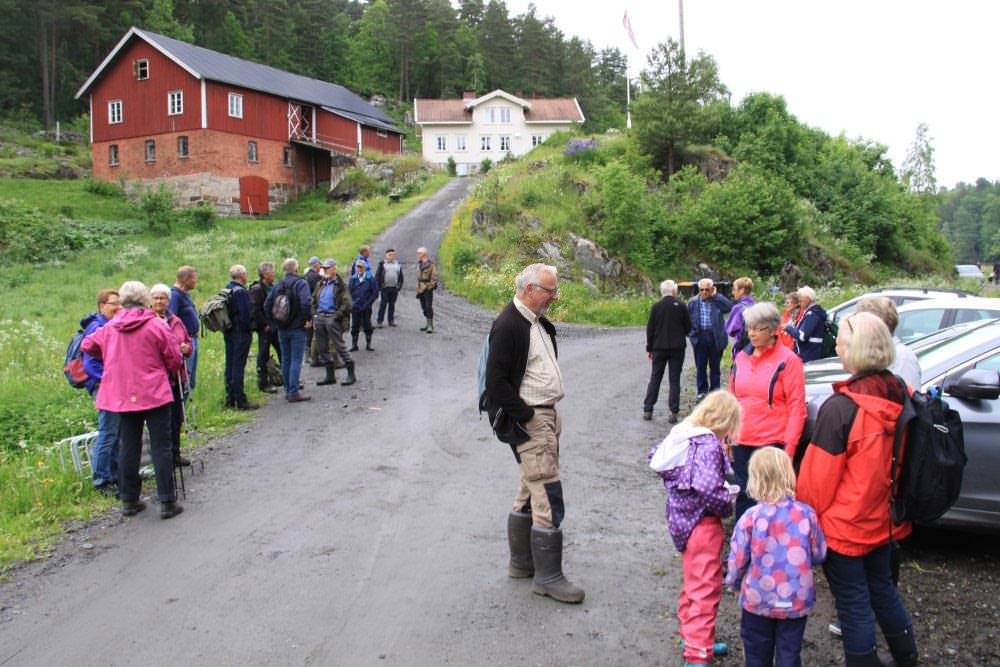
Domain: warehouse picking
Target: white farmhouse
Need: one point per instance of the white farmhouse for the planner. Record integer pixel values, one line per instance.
(492, 126)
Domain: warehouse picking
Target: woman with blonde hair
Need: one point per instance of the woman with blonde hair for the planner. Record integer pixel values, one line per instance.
(844, 476)
(692, 462)
(772, 551)
(735, 326)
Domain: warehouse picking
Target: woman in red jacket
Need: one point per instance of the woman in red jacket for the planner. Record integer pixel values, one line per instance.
(845, 476)
(769, 382)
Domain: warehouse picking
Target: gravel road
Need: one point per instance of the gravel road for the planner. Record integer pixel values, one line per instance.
(367, 527)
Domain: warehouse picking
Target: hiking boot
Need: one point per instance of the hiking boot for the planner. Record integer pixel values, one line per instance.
(647, 415)
(903, 648)
(546, 552)
(244, 404)
(392, 324)
(863, 660)
(109, 489)
(426, 326)
(430, 325)
(519, 537)
(331, 377)
(354, 344)
(350, 374)
(672, 419)
(181, 462)
(132, 507)
(169, 510)
(368, 344)
(298, 397)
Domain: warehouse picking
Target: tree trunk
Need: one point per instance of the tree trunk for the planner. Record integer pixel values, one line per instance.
(43, 62)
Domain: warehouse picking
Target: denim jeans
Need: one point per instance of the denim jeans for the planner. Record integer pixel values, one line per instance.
(864, 593)
(293, 346)
(706, 358)
(237, 350)
(104, 456)
(192, 361)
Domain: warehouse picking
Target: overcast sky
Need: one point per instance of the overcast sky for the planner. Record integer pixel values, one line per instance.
(873, 69)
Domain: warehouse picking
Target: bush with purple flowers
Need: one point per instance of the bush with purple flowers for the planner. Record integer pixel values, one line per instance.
(582, 150)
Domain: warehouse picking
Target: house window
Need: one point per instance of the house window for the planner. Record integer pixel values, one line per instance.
(235, 105)
(381, 133)
(460, 142)
(442, 143)
(484, 142)
(536, 140)
(141, 69)
(114, 112)
(251, 151)
(505, 143)
(287, 157)
(500, 115)
(182, 147)
(175, 103)
(150, 150)
(113, 155)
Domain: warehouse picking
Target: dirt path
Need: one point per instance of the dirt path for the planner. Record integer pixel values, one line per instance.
(368, 527)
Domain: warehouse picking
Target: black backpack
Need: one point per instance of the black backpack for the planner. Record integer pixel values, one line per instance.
(830, 330)
(929, 479)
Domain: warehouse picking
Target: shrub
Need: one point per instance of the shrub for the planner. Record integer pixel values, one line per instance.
(203, 216)
(584, 151)
(464, 257)
(102, 188)
(485, 166)
(157, 207)
(452, 167)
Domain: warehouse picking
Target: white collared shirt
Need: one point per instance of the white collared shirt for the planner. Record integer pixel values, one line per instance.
(542, 383)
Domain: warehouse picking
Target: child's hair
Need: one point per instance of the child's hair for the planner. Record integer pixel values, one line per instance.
(719, 412)
(771, 475)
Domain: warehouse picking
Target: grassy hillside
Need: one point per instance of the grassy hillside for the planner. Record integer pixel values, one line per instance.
(45, 299)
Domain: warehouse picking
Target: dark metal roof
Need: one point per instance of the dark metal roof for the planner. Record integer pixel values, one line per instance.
(216, 66)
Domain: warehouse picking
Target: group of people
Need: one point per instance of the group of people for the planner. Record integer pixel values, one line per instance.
(736, 452)
(140, 352)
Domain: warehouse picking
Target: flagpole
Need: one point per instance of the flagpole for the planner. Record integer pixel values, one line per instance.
(628, 98)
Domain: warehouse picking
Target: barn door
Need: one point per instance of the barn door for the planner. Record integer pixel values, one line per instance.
(253, 195)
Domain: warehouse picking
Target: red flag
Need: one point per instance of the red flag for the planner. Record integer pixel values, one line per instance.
(628, 29)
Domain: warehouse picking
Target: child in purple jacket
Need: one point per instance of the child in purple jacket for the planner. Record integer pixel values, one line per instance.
(774, 546)
(693, 464)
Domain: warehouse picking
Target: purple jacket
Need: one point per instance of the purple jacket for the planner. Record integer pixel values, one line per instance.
(772, 552)
(696, 485)
(734, 325)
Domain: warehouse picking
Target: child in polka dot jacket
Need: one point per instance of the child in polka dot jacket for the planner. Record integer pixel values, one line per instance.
(774, 546)
(693, 464)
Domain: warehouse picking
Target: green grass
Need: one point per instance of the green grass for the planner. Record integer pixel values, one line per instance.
(43, 304)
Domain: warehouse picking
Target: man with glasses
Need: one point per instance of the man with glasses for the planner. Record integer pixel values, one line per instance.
(523, 385)
(708, 334)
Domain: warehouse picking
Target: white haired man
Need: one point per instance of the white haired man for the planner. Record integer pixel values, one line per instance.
(523, 385)
(808, 329)
(666, 341)
(238, 339)
(708, 334)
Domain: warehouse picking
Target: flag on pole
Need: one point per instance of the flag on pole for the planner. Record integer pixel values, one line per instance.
(628, 29)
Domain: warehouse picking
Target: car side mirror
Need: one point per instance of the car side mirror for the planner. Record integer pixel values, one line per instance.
(974, 384)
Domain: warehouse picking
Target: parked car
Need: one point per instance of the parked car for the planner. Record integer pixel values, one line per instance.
(965, 364)
(924, 317)
(899, 295)
(970, 271)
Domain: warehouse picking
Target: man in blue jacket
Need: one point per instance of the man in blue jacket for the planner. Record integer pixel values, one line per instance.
(708, 334)
(292, 335)
(238, 338)
(183, 307)
(808, 330)
(104, 456)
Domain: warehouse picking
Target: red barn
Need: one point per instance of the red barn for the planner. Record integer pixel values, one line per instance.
(239, 135)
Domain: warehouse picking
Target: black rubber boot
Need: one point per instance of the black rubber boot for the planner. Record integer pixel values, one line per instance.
(331, 377)
(546, 552)
(864, 660)
(354, 342)
(368, 343)
(904, 648)
(350, 374)
(519, 537)
(426, 326)
(430, 325)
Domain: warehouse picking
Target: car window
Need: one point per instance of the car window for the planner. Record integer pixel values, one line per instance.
(948, 354)
(969, 315)
(919, 323)
(990, 363)
(845, 311)
(903, 300)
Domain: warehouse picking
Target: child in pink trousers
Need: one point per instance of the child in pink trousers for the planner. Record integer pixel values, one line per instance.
(774, 546)
(693, 464)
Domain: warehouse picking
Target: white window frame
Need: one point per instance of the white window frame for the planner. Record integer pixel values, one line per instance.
(505, 143)
(505, 115)
(235, 105)
(381, 133)
(140, 65)
(114, 158)
(175, 103)
(441, 143)
(536, 140)
(183, 155)
(253, 152)
(150, 150)
(485, 145)
(460, 143)
(116, 112)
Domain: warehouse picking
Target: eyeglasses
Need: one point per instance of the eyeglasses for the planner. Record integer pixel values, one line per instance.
(704, 289)
(547, 289)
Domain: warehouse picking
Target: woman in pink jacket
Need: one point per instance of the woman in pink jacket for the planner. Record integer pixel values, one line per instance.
(139, 355)
(770, 385)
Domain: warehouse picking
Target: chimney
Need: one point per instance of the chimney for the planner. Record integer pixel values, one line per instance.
(469, 95)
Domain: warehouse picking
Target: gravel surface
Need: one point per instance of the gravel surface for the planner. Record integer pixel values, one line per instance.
(367, 527)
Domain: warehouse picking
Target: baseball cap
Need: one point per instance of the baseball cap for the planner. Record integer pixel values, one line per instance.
(313, 260)
(329, 263)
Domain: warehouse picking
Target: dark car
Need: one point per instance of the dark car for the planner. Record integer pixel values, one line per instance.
(965, 364)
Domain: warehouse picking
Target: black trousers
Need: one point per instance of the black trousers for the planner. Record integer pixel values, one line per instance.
(673, 360)
(237, 350)
(361, 319)
(427, 303)
(388, 301)
(265, 341)
(157, 420)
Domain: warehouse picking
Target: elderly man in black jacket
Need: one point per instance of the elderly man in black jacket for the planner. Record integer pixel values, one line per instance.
(523, 385)
(666, 342)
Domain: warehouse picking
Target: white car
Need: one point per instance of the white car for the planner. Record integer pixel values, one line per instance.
(925, 317)
(970, 271)
(899, 295)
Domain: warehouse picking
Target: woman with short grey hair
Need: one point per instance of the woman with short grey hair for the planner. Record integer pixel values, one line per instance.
(769, 381)
(133, 294)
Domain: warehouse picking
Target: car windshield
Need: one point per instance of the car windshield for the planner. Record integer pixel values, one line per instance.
(940, 358)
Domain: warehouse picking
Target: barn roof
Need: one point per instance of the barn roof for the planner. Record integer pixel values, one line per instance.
(536, 110)
(204, 63)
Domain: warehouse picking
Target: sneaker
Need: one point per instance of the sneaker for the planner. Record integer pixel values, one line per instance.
(699, 397)
(647, 415)
(131, 508)
(298, 397)
(170, 510)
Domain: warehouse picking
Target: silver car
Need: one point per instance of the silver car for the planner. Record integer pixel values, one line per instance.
(899, 295)
(965, 364)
